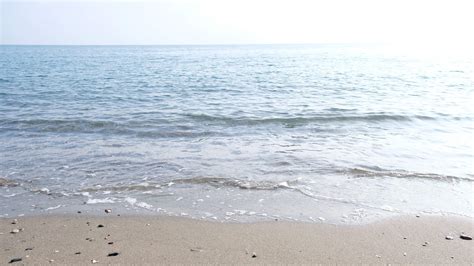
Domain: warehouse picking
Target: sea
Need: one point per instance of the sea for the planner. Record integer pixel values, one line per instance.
(328, 133)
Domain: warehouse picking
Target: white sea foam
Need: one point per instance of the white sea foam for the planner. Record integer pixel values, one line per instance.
(98, 201)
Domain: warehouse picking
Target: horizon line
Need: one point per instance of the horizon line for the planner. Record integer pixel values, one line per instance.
(200, 44)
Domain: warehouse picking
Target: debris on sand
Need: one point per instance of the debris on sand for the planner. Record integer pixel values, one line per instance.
(94, 261)
(15, 260)
(465, 237)
(449, 238)
(196, 249)
(254, 255)
(113, 254)
(100, 226)
(108, 210)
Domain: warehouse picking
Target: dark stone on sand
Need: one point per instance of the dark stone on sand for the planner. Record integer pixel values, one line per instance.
(15, 260)
(110, 243)
(465, 237)
(26, 249)
(113, 254)
(254, 255)
(78, 253)
(100, 225)
(79, 212)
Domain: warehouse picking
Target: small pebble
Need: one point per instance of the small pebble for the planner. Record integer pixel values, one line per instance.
(404, 254)
(15, 260)
(15, 221)
(56, 251)
(449, 238)
(78, 253)
(113, 254)
(100, 225)
(426, 244)
(26, 249)
(79, 212)
(378, 256)
(110, 243)
(108, 210)
(417, 216)
(254, 255)
(465, 237)
(94, 261)
(51, 261)
(15, 231)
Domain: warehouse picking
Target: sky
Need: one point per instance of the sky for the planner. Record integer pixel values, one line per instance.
(443, 22)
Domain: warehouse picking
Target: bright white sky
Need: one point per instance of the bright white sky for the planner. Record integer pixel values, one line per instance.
(442, 22)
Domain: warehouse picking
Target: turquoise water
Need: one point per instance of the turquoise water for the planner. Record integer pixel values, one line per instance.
(300, 132)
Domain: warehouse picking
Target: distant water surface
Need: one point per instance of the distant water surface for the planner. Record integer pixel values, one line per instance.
(333, 133)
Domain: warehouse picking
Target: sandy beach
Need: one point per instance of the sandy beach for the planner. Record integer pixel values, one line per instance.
(113, 239)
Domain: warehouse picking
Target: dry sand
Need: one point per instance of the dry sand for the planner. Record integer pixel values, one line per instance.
(165, 240)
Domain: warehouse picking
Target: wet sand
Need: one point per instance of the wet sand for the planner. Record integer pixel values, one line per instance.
(78, 239)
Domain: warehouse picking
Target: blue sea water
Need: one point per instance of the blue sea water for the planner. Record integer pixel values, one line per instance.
(336, 133)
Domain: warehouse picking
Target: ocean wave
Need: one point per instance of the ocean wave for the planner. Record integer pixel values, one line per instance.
(372, 172)
(294, 121)
(218, 182)
(182, 127)
(145, 129)
(237, 183)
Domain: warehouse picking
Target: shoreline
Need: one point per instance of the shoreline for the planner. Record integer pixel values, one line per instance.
(128, 239)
